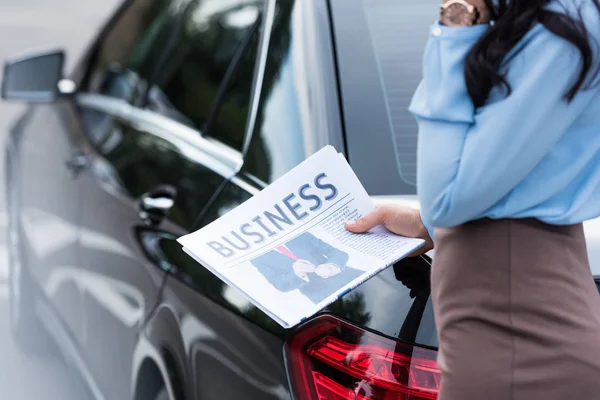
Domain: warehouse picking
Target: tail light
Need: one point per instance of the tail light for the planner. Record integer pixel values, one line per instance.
(329, 359)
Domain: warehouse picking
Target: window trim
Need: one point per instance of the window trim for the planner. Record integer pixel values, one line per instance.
(259, 72)
(230, 75)
(210, 153)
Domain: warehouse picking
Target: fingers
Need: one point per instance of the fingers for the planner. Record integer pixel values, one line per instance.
(376, 217)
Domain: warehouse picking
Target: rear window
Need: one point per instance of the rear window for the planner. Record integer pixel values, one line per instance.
(380, 45)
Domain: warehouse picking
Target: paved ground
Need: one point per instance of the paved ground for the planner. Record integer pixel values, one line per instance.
(34, 24)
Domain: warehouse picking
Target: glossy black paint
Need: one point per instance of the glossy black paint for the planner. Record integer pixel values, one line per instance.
(135, 312)
(124, 285)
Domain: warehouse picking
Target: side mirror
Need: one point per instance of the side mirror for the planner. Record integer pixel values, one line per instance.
(34, 78)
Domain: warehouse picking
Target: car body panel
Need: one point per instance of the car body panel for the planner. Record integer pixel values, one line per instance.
(49, 206)
(122, 294)
(122, 283)
(225, 356)
(119, 288)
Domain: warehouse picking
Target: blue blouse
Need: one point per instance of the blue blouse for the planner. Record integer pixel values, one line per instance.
(529, 154)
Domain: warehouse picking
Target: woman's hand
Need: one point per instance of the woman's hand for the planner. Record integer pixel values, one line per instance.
(401, 220)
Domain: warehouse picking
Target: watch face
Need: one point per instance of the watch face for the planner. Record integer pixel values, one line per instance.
(457, 15)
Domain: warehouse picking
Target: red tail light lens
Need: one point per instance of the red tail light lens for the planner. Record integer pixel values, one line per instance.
(329, 359)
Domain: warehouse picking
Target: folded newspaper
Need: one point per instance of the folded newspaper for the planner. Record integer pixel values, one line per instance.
(287, 248)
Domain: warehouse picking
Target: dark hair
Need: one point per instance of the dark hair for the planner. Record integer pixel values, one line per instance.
(512, 20)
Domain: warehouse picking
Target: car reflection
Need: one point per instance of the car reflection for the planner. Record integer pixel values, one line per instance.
(209, 335)
(395, 300)
(203, 343)
(124, 302)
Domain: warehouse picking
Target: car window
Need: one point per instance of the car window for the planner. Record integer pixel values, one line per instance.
(131, 51)
(278, 139)
(206, 82)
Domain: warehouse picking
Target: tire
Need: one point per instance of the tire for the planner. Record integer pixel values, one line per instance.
(26, 328)
(162, 395)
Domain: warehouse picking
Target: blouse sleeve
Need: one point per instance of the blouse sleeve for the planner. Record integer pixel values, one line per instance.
(469, 159)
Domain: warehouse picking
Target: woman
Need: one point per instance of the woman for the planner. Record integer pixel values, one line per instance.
(508, 169)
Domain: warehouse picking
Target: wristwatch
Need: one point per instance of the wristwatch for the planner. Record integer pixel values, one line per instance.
(459, 13)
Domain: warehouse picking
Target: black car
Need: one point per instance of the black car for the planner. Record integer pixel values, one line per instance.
(178, 112)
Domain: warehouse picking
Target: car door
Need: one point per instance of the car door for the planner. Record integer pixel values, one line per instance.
(49, 206)
(118, 290)
(155, 166)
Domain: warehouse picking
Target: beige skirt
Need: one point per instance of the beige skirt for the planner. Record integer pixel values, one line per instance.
(517, 311)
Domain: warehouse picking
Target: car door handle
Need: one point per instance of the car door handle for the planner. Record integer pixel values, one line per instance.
(154, 205)
(77, 163)
(161, 204)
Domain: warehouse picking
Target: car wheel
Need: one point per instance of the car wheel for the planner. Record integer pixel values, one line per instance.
(162, 395)
(27, 330)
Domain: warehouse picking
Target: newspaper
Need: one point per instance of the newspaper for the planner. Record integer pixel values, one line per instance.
(287, 249)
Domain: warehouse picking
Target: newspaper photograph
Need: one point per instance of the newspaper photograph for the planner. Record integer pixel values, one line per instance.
(287, 249)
